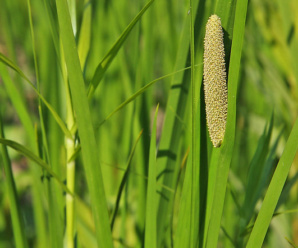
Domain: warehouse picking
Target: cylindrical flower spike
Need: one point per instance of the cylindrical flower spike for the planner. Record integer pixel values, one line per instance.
(215, 88)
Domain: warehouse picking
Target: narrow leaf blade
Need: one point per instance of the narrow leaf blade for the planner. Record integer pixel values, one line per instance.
(105, 63)
(275, 188)
(151, 207)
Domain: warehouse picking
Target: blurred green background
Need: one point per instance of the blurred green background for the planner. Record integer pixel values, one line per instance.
(268, 85)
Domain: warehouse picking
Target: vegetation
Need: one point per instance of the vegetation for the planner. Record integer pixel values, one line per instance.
(103, 133)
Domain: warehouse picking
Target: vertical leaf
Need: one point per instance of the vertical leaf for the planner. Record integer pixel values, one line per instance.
(151, 206)
(170, 138)
(86, 132)
(275, 188)
(224, 154)
(17, 219)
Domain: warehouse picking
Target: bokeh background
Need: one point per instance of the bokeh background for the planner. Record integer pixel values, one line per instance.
(267, 106)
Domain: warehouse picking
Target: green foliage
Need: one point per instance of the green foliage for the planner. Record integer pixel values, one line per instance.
(103, 135)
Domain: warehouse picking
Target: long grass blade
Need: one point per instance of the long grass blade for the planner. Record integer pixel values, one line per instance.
(138, 93)
(8, 62)
(123, 181)
(224, 153)
(23, 150)
(193, 191)
(17, 101)
(105, 63)
(85, 34)
(275, 188)
(255, 172)
(151, 200)
(86, 132)
(170, 138)
(12, 65)
(15, 211)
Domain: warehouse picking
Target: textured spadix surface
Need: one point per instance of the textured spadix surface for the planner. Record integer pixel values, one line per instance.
(215, 88)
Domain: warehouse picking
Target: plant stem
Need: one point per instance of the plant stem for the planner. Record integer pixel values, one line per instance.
(70, 173)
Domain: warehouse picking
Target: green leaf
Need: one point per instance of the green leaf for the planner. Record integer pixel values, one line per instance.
(168, 165)
(194, 207)
(259, 176)
(85, 33)
(84, 224)
(221, 158)
(275, 188)
(8, 62)
(255, 173)
(27, 153)
(151, 200)
(105, 63)
(18, 102)
(15, 210)
(53, 27)
(138, 93)
(286, 190)
(85, 128)
(124, 181)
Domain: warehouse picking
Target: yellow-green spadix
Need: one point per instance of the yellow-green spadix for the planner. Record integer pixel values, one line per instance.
(215, 88)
